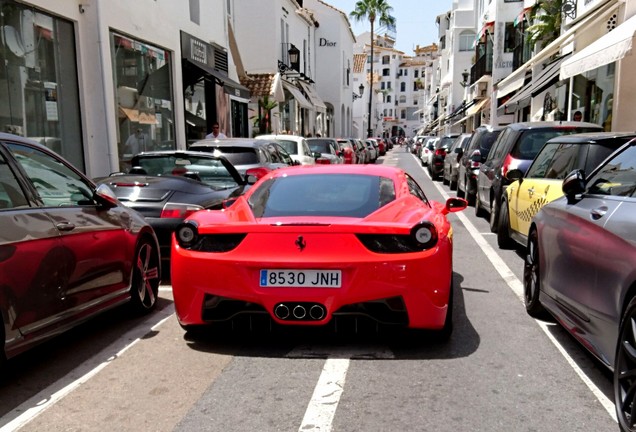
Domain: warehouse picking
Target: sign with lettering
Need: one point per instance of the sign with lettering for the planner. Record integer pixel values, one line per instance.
(325, 42)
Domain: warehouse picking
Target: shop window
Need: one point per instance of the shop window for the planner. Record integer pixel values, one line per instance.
(144, 97)
(33, 106)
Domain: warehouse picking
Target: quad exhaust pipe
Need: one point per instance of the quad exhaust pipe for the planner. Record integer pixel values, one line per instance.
(300, 311)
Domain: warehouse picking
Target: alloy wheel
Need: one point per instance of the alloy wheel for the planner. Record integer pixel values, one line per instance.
(625, 371)
(531, 276)
(145, 286)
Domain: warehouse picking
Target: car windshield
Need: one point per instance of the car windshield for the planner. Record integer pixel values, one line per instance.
(319, 146)
(290, 146)
(345, 195)
(445, 141)
(209, 171)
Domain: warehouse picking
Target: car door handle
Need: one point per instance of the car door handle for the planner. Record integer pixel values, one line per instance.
(65, 226)
(598, 213)
(531, 191)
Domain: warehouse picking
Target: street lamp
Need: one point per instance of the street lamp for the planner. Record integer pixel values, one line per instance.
(294, 57)
(465, 75)
(361, 92)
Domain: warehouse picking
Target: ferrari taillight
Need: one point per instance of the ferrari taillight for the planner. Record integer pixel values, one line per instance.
(179, 211)
(423, 236)
(188, 237)
(323, 161)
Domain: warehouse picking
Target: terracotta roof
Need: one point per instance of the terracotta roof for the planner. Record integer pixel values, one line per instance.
(358, 62)
(258, 84)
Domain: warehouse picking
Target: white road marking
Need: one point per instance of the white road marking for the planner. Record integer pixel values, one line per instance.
(46, 398)
(324, 402)
(517, 287)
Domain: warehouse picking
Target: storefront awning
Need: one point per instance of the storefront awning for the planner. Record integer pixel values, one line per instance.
(229, 85)
(295, 92)
(607, 49)
(313, 96)
(478, 107)
(547, 77)
(554, 46)
(137, 116)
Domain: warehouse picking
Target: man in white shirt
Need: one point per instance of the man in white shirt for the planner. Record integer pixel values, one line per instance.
(216, 134)
(136, 143)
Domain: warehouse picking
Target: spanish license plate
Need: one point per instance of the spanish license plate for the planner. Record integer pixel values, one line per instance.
(301, 278)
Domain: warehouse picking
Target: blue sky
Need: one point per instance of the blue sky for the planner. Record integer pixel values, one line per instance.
(415, 20)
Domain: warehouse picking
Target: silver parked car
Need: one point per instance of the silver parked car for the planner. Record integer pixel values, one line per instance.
(580, 266)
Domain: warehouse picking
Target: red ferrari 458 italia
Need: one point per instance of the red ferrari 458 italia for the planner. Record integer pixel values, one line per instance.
(307, 245)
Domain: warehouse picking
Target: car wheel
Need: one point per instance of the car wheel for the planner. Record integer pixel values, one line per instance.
(479, 212)
(460, 191)
(453, 185)
(145, 281)
(504, 241)
(625, 369)
(531, 277)
(444, 179)
(494, 216)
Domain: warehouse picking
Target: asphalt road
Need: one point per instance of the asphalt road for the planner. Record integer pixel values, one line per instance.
(501, 370)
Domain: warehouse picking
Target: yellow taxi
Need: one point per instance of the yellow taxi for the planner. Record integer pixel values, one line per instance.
(528, 192)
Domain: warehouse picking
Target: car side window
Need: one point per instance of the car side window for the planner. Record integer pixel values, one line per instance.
(285, 157)
(564, 161)
(56, 183)
(541, 163)
(500, 145)
(306, 149)
(11, 194)
(415, 189)
(617, 177)
(273, 151)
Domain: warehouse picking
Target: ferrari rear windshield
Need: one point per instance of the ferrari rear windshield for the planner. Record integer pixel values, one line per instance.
(344, 195)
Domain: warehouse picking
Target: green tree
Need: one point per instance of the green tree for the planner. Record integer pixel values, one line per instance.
(546, 19)
(372, 10)
(264, 118)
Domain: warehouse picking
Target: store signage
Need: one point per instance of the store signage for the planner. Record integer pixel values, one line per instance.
(325, 42)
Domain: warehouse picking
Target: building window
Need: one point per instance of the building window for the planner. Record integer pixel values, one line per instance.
(402, 114)
(386, 59)
(144, 97)
(403, 87)
(386, 72)
(406, 72)
(415, 73)
(466, 40)
(40, 91)
(388, 85)
(382, 85)
(510, 39)
(195, 11)
(388, 98)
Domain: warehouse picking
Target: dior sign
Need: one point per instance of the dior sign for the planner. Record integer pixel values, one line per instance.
(325, 42)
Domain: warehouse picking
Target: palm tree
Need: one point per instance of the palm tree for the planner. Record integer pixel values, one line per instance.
(372, 10)
(546, 19)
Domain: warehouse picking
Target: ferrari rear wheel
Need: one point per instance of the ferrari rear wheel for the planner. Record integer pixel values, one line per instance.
(625, 370)
(531, 277)
(145, 281)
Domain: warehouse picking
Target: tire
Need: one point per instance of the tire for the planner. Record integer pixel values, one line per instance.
(479, 212)
(504, 241)
(144, 288)
(494, 216)
(444, 179)
(531, 277)
(453, 185)
(460, 191)
(625, 369)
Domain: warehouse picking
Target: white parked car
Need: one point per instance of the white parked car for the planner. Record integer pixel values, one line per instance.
(296, 146)
(372, 148)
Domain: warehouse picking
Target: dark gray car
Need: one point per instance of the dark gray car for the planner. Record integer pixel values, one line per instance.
(471, 159)
(580, 267)
(515, 148)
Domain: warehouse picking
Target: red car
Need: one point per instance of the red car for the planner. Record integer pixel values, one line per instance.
(363, 241)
